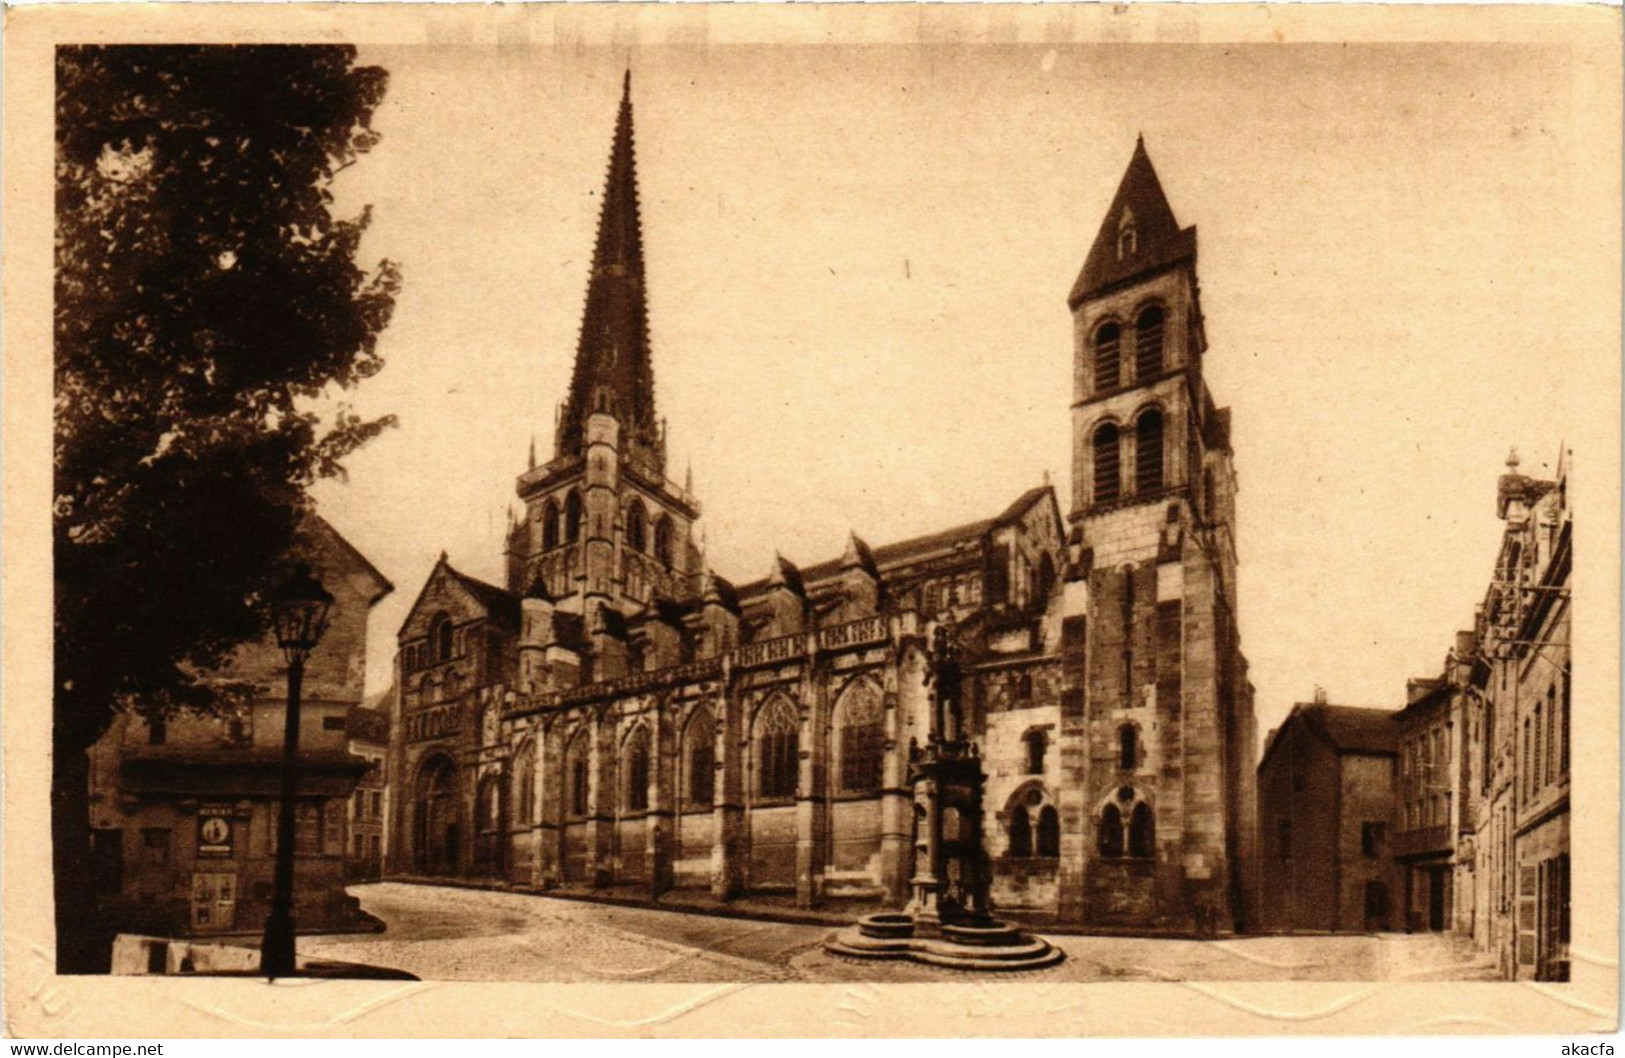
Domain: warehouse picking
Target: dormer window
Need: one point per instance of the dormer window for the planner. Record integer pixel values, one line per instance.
(1128, 236)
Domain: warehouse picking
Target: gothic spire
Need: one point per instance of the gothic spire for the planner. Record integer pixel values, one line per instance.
(612, 370)
(1139, 234)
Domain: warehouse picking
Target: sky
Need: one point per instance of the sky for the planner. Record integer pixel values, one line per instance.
(858, 259)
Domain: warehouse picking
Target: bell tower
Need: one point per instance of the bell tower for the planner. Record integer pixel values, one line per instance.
(603, 527)
(1168, 736)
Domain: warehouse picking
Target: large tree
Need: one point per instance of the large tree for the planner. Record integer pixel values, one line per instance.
(208, 303)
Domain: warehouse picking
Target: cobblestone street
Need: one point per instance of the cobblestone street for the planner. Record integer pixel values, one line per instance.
(442, 933)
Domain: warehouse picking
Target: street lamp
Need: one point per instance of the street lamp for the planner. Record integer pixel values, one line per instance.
(299, 615)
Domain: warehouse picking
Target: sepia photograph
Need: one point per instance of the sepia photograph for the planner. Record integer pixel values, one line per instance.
(776, 499)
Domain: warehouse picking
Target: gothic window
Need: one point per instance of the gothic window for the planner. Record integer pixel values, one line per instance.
(1148, 344)
(1021, 832)
(777, 750)
(1128, 747)
(576, 768)
(663, 541)
(524, 781)
(1141, 837)
(1108, 357)
(440, 637)
(1148, 451)
(1108, 475)
(550, 526)
(1111, 832)
(572, 517)
(862, 739)
(489, 804)
(637, 527)
(1049, 831)
(1024, 687)
(699, 756)
(1037, 744)
(636, 756)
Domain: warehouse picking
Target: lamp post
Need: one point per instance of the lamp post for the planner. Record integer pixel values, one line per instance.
(299, 610)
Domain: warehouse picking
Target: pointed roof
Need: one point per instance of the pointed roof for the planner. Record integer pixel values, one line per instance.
(612, 354)
(1347, 728)
(1158, 239)
(859, 556)
(499, 604)
(785, 574)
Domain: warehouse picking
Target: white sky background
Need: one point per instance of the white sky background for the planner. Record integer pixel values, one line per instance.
(858, 260)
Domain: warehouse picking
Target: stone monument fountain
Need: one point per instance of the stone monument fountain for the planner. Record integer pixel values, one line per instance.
(949, 920)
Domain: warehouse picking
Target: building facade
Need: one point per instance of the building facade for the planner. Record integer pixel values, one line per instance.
(184, 808)
(619, 715)
(1430, 811)
(1325, 812)
(367, 730)
(1516, 849)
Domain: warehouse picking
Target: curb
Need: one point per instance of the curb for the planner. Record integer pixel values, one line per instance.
(832, 919)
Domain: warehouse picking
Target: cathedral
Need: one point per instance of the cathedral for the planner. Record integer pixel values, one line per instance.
(619, 717)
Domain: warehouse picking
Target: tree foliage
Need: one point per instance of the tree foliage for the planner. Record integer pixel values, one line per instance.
(207, 300)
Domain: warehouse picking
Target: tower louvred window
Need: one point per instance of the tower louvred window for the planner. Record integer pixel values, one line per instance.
(1108, 474)
(1108, 356)
(1148, 360)
(1148, 452)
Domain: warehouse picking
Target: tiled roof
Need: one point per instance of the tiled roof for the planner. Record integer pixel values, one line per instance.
(368, 725)
(1160, 240)
(903, 551)
(500, 604)
(1348, 728)
(1353, 728)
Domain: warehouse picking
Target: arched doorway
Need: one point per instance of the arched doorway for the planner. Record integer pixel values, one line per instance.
(437, 821)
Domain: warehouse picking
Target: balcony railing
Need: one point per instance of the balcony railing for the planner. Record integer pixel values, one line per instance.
(1423, 840)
